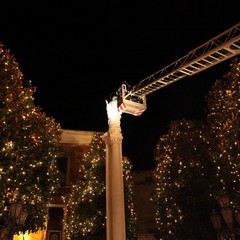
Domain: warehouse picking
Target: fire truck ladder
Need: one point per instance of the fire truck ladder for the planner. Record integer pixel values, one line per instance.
(218, 49)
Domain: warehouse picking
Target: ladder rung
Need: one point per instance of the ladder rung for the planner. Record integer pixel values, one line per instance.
(185, 71)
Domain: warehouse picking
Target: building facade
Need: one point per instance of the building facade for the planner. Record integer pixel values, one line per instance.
(143, 189)
(74, 145)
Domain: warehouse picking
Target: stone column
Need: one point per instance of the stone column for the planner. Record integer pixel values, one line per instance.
(115, 210)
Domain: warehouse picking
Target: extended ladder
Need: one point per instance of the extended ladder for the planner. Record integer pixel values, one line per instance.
(218, 49)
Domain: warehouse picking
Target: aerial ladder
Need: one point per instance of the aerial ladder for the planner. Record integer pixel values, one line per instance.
(132, 100)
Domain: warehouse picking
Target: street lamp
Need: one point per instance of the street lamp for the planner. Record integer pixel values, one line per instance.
(15, 220)
(18, 213)
(216, 222)
(228, 217)
(16, 216)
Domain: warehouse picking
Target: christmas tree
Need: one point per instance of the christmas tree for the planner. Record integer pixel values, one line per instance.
(183, 176)
(197, 161)
(28, 146)
(86, 217)
(223, 119)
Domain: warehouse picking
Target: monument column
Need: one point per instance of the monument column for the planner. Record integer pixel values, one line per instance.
(115, 210)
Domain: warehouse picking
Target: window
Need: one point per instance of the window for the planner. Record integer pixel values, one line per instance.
(148, 179)
(55, 218)
(62, 163)
(54, 235)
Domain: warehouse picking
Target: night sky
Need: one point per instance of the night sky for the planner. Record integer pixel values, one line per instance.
(78, 55)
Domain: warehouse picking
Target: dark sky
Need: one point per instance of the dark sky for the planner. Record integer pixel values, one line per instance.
(77, 55)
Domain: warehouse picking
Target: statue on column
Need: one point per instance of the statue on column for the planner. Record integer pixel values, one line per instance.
(114, 115)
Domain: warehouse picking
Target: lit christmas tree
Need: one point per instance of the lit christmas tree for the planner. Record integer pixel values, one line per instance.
(184, 175)
(224, 118)
(196, 163)
(86, 217)
(28, 146)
